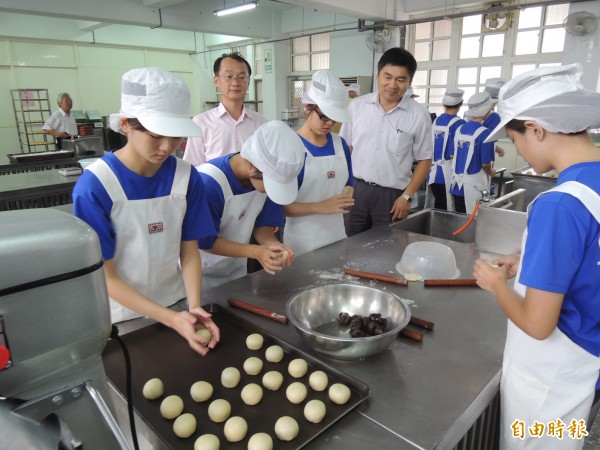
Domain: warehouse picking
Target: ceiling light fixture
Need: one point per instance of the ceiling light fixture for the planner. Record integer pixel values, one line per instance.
(236, 9)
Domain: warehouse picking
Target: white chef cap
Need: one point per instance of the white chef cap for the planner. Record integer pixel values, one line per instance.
(479, 104)
(550, 96)
(493, 85)
(411, 93)
(453, 97)
(329, 94)
(354, 87)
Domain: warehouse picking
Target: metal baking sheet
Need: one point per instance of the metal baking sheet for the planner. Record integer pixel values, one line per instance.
(157, 351)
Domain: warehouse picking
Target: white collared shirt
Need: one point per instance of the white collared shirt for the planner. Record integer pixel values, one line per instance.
(221, 134)
(60, 122)
(385, 144)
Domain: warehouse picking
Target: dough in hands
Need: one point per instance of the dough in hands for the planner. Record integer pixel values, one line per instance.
(201, 391)
(252, 394)
(286, 428)
(253, 365)
(185, 425)
(219, 410)
(171, 407)
(254, 341)
(318, 381)
(339, 393)
(274, 354)
(230, 377)
(153, 389)
(205, 335)
(272, 380)
(296, 392)
(207, 442)
(314, 411)
(260, 441)
(298, 368)
(235, 429)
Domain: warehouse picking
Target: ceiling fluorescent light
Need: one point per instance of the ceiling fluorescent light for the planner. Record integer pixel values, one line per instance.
(236, 9)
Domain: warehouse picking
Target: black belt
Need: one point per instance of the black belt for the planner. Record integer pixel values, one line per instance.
(360, 180)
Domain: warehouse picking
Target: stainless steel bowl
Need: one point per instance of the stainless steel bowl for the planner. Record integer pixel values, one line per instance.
(315, 311)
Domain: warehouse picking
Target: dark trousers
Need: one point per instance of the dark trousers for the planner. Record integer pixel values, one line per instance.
(439, 194)
(459, 204)
(372, 206)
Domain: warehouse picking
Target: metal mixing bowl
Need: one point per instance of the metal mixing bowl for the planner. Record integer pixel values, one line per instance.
(315, 311)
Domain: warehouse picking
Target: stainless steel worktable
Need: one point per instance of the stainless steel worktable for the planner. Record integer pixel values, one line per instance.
(423, 395)
(31, 185)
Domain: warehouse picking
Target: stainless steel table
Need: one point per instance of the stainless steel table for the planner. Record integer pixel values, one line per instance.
(35, 189)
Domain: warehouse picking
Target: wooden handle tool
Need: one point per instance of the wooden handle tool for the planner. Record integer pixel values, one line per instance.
(421, 323)
(376, 276)
(412, 334)
(258, 310)
(460, 282)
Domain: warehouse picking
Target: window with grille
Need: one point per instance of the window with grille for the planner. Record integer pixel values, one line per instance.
(310, 53)
(463, 52)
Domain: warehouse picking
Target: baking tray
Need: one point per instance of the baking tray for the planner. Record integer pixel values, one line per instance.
(158, 351)
(40, 156)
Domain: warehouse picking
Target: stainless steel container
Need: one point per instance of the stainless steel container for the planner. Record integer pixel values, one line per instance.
(534, 183)
(85, 145)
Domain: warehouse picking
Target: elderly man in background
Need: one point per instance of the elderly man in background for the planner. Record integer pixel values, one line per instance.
(61, 123)
(387, 133)
(226, 127)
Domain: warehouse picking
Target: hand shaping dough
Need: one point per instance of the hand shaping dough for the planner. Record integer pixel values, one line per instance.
(298, 368)
(185, 425)
(296, 392)
(252, 394)
(205, 335)
(253, 365)
(235, 429)
(153, 389)
(272, 380)
(201, 391)
(274, 353)
(171, 407)
(286, 428)
(314, 411)
(254, 341)
(339, 393)
(207, 442)
(219, 410)
(260, 441)
(318, 381)
(230, 377)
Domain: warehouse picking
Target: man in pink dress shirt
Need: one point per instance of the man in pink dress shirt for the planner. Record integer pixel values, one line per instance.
(226, 127)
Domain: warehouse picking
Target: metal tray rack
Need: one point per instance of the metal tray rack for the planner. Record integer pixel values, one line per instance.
(157, 351)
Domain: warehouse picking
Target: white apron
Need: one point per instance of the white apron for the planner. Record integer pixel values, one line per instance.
(444, 164)
(549, 379)
(472, 183)
(237, 225)
(324, 177)
(148, 239)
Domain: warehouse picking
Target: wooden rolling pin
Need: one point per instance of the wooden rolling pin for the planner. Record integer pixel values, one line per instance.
(376, 276)
(258, 310)
(460, 282)
(421, 323)
(412, 334)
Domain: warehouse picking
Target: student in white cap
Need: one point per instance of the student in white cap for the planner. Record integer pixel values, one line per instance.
(472, 157)
(411, 93)
(444, 127)
(315, 219)
(148, 208)
(492, 87)
(353, 90)
(246, 192)
(551, 364)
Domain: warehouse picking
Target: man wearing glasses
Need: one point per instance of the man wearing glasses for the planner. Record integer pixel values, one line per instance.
(226, 127)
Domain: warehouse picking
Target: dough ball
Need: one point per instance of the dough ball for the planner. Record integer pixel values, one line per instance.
(201, 391)
(253, 365)
(185, 425)
(339, 393)
(171, 406)
(318, 381)
(219, 410)
(272, 380)
(252, 394)
(296, 392)
(230, 377)
(286, 428)
(260, 441)
(207, 442)
(254, 341)
(205, 335)
(153, 389)
(298, 368)
(235, 429)
(274, 353)
(412, 277)
(314, 411)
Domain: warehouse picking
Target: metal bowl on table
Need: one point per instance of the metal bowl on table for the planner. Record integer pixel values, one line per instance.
(315, 311)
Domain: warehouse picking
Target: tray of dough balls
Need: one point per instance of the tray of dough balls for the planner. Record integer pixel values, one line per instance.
(253, 391)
